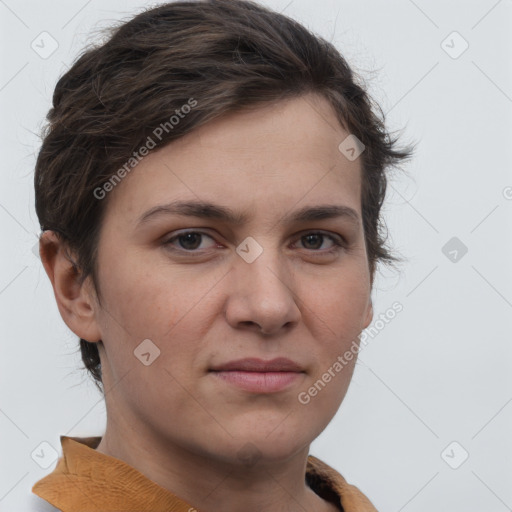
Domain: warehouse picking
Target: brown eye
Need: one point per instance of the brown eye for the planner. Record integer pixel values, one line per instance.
(314, 241)
(188, 241)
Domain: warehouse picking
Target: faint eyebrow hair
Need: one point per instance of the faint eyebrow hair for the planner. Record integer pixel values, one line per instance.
(206, 210)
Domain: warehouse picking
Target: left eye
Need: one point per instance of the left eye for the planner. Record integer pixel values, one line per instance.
(317, 239)
(190, 241)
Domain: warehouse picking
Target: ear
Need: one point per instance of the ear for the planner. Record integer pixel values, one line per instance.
(75, 300)
(369, 314)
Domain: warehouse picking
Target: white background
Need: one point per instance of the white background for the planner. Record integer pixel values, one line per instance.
(439, 372)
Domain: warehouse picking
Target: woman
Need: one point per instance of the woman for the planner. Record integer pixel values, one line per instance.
(209, 191)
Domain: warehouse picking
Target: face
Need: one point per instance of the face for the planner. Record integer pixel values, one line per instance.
(207, 290)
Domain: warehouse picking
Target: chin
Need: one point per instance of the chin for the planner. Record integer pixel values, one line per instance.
(260, 446)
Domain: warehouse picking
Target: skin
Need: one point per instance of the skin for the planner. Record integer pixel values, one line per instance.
(174, 420)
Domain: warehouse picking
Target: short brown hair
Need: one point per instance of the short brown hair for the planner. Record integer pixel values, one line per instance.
(228, 55)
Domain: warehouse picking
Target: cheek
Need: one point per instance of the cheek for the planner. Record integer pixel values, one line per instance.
(338, 325)
(163, 304)
(340, 306)
(147, 302)
(337, 310)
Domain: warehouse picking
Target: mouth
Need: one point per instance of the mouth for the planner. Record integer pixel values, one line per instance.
(259, 376)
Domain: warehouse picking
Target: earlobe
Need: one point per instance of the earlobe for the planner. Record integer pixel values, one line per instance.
(369, 315)
(74, 298)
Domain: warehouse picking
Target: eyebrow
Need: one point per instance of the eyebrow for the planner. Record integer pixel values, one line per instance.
(207, 210)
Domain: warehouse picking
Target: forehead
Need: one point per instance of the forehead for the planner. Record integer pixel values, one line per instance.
(269, 158)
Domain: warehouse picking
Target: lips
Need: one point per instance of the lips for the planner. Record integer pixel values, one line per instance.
(280, 364)
(258, 376)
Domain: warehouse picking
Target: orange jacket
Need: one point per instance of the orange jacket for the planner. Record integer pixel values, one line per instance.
(85, 480)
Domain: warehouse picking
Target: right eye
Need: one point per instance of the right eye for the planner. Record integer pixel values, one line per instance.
(189, 241)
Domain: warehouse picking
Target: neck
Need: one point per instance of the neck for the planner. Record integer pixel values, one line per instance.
(211, 484)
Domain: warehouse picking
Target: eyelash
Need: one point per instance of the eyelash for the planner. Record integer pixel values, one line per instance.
(339, 244)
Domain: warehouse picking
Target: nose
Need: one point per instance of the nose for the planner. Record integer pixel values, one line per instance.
(262, 295)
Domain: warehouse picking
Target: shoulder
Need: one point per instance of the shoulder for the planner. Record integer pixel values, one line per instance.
(330, 484)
